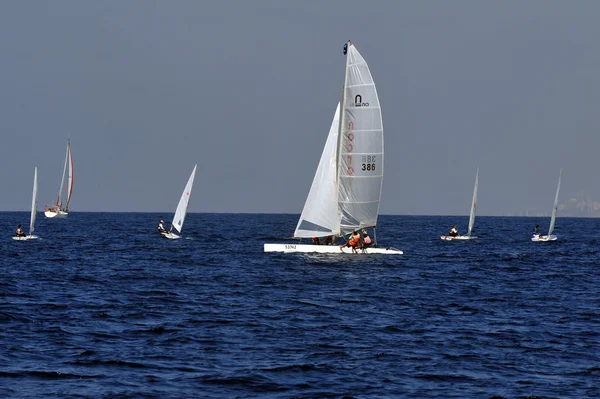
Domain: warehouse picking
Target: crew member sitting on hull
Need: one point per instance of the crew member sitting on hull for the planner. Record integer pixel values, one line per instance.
(20, 232)
(453, 231)
(316, 241)
(161, 227)
(352, 242)
(329, 240)
(537, 231)
(366, 240)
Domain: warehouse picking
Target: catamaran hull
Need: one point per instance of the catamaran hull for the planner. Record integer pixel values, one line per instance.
(458, 238)
(170, 236)
(327, 249)
(59, 214)
(544, 238)
(24, 238)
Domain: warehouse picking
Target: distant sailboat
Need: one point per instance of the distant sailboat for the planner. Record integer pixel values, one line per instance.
(61, 208)
(471, 216)
(34, 203)
(181, 210)
(346, 189)
(550, 236)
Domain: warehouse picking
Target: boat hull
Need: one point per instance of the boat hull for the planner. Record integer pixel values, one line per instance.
(170, 236)
(25, 238)
(56, 214)
(327, 249)
(458, 238)
(544, 238)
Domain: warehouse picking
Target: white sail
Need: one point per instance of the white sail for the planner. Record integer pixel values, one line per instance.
(553, 218)
(473, 204)
(70, 181)
(181, 210)
(360, 147)
(34, 203)
(319, 217)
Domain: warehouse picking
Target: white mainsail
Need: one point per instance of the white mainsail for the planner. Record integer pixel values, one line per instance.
(473, 204)
(320, 214)
(553, 218)
(34, 203)
(181, 210)
(68, 173)
(360, 147)
(346, 189)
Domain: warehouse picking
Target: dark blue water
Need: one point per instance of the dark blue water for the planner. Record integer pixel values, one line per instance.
(101, 306)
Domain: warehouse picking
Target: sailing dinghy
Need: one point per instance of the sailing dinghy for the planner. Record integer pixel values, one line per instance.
(61, 208)
(550, 236)
(181, 210)
(346, 189)
(471, 216)
(34, 203)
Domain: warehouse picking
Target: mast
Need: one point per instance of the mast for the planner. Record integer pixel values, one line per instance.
(71, 174)
(341, 128)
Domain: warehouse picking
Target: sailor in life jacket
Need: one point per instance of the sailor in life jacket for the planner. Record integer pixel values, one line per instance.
(536, 231)
(19, 232)
(366, 241)
(453, 231)
(161, 227)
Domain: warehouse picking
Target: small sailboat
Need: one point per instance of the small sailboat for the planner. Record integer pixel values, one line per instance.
(61, 208)
(34, 203)
(468, 236)
(550, 236)
(346, 189)
(181, 210)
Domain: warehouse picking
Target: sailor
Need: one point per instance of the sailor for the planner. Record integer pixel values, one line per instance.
(161, 227)
(453, 231)
(20, 232)
(366, 240)
(352, 242)
(537, 230)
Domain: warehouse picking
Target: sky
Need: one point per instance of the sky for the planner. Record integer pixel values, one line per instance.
(247, 90)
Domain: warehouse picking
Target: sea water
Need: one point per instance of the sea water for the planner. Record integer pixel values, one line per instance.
(102, 306)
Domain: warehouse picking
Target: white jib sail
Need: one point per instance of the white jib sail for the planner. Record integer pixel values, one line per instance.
(34, 203)
(319, 217)
(553, 218)
(360, 147)
(181, 211)
(473, 204)
(62, 180)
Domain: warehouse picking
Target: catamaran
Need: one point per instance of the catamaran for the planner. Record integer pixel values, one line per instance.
(471, 216)
(181, 210)
(550, 236)
(60, 209)
(346, 189)
(34, 203)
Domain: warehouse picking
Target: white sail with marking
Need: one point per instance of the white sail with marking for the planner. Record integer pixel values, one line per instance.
(181, 211)
(34, 203)
(551, 230)
(320, 214)
(360, 147)
(473, 204)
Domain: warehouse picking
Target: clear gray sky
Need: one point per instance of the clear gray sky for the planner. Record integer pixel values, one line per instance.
(247, 90)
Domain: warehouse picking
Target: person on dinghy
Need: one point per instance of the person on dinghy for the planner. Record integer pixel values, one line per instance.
(366, 240)
(161, 227)
(537, 230)
(352, 242)
(453, 231)
(20, 232)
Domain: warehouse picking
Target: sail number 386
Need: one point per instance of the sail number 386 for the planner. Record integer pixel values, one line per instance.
(368, 163)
